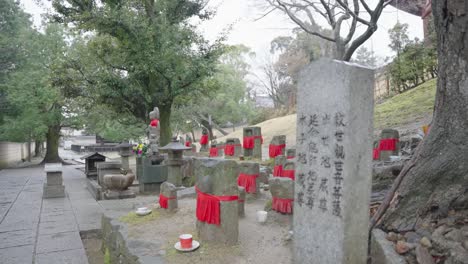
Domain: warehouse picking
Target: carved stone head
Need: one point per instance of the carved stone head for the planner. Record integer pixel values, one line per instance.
(154, 114)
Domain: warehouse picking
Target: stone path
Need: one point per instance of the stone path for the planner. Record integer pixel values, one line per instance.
(33, 230)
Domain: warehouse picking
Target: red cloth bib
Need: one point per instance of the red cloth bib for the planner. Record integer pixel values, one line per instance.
(204, 140)
(281, 205)
(288, 174)
(389, 144)
(213, 152)
(164, 201)
(208, 207)
(249, 142)
(375, 154)
(229, 150)
(154, 122)
(248, 181)
(290, 157)
(188, 144)
(278, 171)
(275, 150)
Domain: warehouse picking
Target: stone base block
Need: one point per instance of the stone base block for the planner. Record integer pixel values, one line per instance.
(53, 191)
(94, 188)
(149, 187)
(114, 195)
(54, 178)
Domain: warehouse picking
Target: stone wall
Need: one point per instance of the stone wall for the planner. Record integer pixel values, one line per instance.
(12, 153)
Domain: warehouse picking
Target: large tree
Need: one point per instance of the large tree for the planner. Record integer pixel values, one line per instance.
(434, 182)
(344, 19)
(151, 52)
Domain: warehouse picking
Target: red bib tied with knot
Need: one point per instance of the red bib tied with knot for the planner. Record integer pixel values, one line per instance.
(248, 181)
(288, 174)
(275, 150)
(188, 143)
(278, 171)
(164, 201)
(213, 152)
(388, 144)
(249, 142)
(282, 205)
(208, 206)
(204, 140)
(154, 122)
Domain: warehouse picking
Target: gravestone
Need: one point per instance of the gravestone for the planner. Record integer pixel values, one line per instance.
(290, 153)
(216, 185)
(289, 169)
(277, 146)
(282, 193)
(168, 196)
(252, 142)
(233, 148)
(249, 177)
(333, 163)
(389, 144)
(278, 167)
(53, 187)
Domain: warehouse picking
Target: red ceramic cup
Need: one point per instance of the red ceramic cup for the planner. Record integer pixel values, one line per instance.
(185, 240)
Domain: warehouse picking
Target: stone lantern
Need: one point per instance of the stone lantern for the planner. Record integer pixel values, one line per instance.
(175, 161)
(125, 151)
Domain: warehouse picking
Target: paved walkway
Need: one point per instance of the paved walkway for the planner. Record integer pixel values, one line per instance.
(33, 230)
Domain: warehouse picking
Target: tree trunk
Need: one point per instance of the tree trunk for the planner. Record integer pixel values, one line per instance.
(29, 150)
(436, 182)
(165, 122)
(53, 136)
(37, 148)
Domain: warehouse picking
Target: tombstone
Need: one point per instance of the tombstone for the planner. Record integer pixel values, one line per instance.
(241, 204)
(233, 148)
(249, 177)
(277, 146)
(175, 161)
(388, 144)
(168, 196)
(252, 142)
(204, 141)
(282, 193)
(108, 167)
(278, 167)
(53, 187)
(217, 200)
(125, 151)
(90, 163)
(290, 153)
(333, 163)
(289, 170)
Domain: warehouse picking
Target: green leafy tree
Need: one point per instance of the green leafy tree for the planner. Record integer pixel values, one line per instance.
(148, 51)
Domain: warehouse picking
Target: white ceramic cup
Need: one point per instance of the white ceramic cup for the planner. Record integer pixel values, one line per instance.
(262, 216)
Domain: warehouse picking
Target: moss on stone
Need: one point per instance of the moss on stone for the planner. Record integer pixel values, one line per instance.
(268, 205)
(107, 257)
(132, 218)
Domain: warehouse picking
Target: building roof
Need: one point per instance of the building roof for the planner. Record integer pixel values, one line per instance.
(93, 155)
(415, 7)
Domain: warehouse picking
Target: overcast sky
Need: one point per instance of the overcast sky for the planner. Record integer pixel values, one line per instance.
(257, 34)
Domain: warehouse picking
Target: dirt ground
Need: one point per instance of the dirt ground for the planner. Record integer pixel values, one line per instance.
(258, 243)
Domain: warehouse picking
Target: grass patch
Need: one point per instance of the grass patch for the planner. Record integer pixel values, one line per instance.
(406, 107)
(132, 218)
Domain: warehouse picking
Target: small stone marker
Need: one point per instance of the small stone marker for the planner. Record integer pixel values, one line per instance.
(252, 142)
(333, 163)
(249, 177)
(233, 148)
(282, 192)
(53, 187)
(280, 160)
(388, 144)
(217, 200)
(168, 196)
(277, 146)
(290, 153)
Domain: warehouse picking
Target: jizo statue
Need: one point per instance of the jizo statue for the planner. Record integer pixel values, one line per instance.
(154, 131)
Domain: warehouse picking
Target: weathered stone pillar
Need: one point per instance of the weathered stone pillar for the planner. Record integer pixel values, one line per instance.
(168, 196)
(277, 146)
(279, 164)
(249, 177)
(125, 151)
(252, 142)
(389, 144)
(233, 148)
(216, 184)
(282, 192)
(333, 163)
(53, 187)
(241, 208)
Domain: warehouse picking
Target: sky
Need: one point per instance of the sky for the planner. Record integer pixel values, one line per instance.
(248, 29)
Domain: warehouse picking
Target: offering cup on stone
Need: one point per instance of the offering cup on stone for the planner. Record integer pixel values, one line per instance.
(185, 240)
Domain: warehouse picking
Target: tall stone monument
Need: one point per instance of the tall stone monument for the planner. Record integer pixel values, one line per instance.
(217, 200)
(333, 163)
(252, 142)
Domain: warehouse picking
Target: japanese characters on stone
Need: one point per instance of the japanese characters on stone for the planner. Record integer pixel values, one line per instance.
(322, 154)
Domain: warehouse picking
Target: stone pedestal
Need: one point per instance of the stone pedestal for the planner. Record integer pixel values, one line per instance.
(256, 151)
(275, 148)
(251, 168)
(53, 187)
(241, 208)
(151, 177)
(333, 163)
(169, 190)
(384, 155)
(218, 177)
